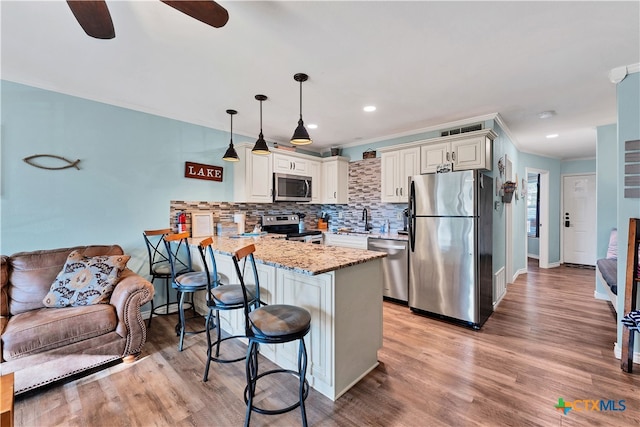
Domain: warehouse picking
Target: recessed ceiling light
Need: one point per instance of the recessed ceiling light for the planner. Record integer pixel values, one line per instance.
(546, 114)
(369, 108)
(552, 135)
(312, 126)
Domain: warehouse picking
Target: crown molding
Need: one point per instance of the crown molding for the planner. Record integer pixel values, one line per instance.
(507, 131)
(618, 74)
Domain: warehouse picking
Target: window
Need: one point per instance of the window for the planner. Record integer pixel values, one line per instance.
(533, 205)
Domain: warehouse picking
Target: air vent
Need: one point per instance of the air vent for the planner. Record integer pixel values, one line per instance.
(465, 129)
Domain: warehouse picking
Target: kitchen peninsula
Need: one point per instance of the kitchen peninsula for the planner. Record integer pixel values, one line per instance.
(341, 288)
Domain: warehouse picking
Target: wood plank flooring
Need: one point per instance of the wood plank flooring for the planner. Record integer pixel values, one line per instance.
(548, 339)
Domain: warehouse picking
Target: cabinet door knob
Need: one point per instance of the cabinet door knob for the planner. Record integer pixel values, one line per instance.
(401, 191)
(447, 156)
(453, 156)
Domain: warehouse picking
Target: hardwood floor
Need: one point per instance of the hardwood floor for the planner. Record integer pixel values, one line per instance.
(548, 339)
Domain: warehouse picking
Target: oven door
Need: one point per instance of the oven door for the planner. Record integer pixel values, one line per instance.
(291, 188)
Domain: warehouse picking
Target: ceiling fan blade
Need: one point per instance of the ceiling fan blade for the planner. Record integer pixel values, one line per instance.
(94, 17)
(209, 12)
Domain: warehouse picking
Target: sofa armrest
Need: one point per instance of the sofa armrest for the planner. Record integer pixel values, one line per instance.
(131, 293)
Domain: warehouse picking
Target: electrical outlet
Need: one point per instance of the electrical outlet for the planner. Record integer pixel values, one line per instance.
(340, 214)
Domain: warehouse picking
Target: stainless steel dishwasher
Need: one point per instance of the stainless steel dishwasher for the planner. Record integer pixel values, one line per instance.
(395, 267)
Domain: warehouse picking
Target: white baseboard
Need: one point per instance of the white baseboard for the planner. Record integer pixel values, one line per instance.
(534, 256)
(600, 295)
(554, 265)
(517, 273)
(617, 351)
(497, 303)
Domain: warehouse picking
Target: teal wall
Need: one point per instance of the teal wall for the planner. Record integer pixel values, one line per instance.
(132, 165)
(628, 100)
(606, 191)
(578, 166)
(606, 185)
(533, 246)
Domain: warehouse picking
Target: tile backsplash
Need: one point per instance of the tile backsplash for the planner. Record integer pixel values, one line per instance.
(364, 192)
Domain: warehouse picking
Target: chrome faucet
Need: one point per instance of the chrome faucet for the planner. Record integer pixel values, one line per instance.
(365, 218)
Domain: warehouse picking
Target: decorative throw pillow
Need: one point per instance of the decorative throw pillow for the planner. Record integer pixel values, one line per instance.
(86, 280)
(612, 250)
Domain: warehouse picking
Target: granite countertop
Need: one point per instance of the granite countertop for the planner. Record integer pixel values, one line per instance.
(305, 258)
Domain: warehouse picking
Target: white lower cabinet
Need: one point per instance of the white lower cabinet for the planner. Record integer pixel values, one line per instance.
(314, 293)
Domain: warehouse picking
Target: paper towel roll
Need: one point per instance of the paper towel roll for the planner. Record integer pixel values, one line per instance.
(239, 218)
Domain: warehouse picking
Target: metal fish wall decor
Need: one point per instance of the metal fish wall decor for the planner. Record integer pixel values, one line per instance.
(69, 164)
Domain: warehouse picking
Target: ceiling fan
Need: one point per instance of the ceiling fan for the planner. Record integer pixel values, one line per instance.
(95, 19)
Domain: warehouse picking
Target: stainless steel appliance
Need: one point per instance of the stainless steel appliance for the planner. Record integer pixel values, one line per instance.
(291, 188)
(405, 222)
(395, 267)
(450, 235)
(289, 225)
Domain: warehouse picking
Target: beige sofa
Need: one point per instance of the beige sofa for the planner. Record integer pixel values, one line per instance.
(42, 345)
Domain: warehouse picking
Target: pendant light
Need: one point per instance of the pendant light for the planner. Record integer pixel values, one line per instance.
(300, 135)
(261, 145)
(230, 155)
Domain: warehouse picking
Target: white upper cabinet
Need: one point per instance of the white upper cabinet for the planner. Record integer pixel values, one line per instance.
(252, 176)
(397, 166)
(335, 180)
(460, 152)
(434, 155)
(471, 153)
(315, 172)
(283, 163)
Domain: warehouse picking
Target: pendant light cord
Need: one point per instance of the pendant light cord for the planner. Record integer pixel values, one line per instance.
(300, 99)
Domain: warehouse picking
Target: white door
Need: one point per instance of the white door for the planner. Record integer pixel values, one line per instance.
(579, 219)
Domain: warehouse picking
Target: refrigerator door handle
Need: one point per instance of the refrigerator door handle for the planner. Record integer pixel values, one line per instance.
(412, 216)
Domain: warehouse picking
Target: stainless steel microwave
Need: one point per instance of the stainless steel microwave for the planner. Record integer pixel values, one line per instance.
(291, 188)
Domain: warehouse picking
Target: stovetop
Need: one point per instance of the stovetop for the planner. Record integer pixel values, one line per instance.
(285, 224)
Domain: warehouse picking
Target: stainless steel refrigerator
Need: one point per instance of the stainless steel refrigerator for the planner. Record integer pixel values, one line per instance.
(450, 236)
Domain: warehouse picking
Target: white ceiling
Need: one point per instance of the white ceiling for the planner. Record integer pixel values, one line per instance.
(421, 63)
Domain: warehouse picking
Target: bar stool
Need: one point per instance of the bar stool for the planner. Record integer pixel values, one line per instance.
(272, 324)
(159, 267)
(221, 297)
(184, 279)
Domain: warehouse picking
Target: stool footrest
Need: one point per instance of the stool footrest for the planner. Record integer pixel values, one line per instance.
(282, 410)
(219, 360)
(166, 307)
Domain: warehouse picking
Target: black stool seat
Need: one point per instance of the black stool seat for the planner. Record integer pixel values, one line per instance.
(191, 282)
(231, 294)
(279, 321)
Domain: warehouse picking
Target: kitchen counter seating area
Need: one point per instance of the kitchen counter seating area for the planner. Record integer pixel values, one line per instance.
(340, 287)
(308, 259)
